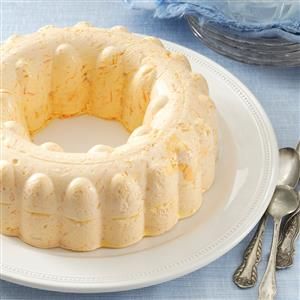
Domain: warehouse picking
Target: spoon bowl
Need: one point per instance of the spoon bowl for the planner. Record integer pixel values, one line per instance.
(289, 167)
(284, 201)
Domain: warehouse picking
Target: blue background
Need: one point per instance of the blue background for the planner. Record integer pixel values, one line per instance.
(278, 90)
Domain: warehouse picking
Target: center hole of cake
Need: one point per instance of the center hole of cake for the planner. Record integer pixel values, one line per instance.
(79, 134)
(112, 86)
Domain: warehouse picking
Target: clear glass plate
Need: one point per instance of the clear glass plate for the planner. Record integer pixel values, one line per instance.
(260, 51)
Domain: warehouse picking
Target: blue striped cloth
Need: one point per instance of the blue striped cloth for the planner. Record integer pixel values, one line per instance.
(252, 18)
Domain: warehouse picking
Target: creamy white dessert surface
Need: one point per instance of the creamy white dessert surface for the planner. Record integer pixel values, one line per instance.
(107, 197)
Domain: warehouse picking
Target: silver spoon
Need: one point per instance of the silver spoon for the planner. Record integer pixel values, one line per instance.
(286, 247)
(289, 166)
(245, 275)
(284, 201)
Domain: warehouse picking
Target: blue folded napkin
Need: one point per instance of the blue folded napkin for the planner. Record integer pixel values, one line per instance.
(253, 19)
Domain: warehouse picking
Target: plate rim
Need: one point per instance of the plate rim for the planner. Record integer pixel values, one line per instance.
(15, 274)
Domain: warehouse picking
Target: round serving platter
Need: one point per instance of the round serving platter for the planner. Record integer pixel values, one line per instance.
(245, 180)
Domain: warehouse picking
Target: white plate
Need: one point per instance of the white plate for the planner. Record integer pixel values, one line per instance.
(245, 181)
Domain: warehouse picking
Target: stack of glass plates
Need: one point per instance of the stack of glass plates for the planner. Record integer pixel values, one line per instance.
(261, 51)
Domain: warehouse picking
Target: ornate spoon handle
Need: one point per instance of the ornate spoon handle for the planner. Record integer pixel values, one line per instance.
(267, 288)
(245, 275)
(286, 247)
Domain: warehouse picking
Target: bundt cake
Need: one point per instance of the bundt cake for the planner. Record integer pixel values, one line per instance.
(107, 197)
